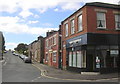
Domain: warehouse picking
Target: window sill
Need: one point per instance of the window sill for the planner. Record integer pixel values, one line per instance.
(54, 61)
(102, 29)
(72, 34)
(79, 31)
(66, 36)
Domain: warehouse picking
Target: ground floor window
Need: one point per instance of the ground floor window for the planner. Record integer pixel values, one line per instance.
(54, 56)
(46, 58)
(77, 59)
(107, 56)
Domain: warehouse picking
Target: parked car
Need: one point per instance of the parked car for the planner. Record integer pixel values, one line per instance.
(16, 54)
(22, 56)
(27, 60)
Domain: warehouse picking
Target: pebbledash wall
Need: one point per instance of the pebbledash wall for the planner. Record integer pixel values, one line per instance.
(90, 38)
(52, 53)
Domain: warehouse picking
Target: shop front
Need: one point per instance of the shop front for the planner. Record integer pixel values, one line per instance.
(92, 53)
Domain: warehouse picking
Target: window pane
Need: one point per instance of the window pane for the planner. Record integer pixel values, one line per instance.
(72, 27)
(84, 59)
(101, 20)
(74, 59)
(79, 65)
(66, 28)
(80, 23)
(54, 56)
(70, 58)
(100, 16)
(117, 21)
(55, 40)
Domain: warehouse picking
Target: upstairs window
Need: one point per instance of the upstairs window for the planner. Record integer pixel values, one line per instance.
(66, 30)
(101, 21)
(117, 21)
(55, 39)
(72, 27)
(80, 23)
(46, 43)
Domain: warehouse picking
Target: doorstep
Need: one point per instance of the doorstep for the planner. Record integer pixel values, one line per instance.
(90, 73)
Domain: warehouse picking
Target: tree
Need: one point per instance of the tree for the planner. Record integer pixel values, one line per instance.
(22, 48)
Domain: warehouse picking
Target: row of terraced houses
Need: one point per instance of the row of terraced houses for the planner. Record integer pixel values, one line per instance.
(87, 41)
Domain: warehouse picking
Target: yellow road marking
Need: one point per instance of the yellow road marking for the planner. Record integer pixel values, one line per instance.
(42, 74)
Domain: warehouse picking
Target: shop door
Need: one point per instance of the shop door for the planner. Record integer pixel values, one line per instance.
(91, 60)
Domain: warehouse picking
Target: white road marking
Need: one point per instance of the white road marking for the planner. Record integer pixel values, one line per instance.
(35, 79)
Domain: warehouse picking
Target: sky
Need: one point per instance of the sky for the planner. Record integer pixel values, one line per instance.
(22, 21)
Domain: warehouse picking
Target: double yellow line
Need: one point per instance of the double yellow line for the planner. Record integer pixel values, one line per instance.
(43, 74)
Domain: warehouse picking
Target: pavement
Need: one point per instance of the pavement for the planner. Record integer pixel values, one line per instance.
(54, 73)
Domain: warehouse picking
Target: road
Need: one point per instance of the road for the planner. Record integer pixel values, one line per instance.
(15, 70)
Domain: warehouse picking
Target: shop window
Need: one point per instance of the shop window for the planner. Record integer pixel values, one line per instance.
(77, 59)
(54, 56)
(84, 59)
(101, 20)
(70, 58)
(74, 59)
(117, 21)
(114, 54)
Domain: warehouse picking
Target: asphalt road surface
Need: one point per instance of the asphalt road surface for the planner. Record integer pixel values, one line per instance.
(15, 70)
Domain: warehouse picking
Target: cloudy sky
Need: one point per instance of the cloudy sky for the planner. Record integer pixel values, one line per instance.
(22, 21)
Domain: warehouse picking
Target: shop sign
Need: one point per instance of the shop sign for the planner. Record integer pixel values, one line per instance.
(114, 52)
(75, 41)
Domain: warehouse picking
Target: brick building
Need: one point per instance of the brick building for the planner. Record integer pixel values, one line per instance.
(52, 55)
(90, 38)
(36, 49)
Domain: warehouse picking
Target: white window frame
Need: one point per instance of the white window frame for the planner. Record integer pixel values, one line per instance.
(80, 27)
(72, 26)
(54, 56)
(55, 39)
(117, 21)
(46, 59)
(101, 20)
(66, 29)
(47, 43)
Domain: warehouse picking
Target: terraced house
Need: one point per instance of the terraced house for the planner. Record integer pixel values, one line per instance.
(52, 54)
(36, 49)
(90, 38)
